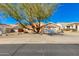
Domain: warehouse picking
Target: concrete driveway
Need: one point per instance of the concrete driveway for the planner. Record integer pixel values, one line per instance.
(39, 50)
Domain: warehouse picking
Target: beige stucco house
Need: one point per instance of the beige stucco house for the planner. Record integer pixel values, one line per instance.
(72, 26)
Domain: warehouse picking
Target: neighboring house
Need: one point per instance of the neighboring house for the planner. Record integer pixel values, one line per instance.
(4, 28)
(72, 26)
(52, 28)
(76, 26)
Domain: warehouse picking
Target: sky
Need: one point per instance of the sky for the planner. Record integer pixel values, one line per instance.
(66, 12)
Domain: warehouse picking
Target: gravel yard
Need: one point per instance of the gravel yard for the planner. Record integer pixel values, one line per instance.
(66, 38)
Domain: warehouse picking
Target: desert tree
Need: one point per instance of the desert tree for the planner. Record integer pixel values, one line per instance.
(28, 13)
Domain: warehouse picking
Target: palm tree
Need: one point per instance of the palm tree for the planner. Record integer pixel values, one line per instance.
(28, 12)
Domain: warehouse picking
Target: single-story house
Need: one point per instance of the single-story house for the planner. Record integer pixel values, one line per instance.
(71, 26)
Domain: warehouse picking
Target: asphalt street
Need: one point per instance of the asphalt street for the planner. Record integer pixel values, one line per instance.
(39, 50)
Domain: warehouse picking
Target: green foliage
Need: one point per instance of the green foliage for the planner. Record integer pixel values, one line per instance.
(28, 11)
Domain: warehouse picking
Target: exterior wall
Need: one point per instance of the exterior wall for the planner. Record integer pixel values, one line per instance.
(78, 28)
(74, 26)
(71, 27)
(65, 27)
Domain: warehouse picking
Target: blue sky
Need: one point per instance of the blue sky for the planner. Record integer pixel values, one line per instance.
(65, 12)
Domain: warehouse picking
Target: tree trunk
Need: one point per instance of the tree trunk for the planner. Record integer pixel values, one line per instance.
(38, 28)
